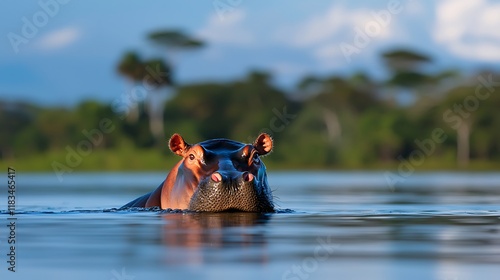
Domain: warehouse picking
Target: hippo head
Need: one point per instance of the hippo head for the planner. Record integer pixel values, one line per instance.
(224, 175)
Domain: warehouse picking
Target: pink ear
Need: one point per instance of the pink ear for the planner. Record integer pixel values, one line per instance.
(263, 144)
(177, 145)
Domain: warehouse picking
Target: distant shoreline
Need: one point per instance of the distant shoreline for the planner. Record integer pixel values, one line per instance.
(153, 160)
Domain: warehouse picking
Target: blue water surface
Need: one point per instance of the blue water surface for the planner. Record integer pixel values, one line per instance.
(330, 225)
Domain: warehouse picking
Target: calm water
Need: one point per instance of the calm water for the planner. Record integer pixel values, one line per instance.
(350, 225)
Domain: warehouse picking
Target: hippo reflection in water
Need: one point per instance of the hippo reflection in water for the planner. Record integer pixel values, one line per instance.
(215, 175)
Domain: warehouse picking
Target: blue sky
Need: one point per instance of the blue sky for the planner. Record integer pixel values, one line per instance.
(72, 54)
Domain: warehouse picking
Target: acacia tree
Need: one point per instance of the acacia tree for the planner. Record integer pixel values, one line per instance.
(172, 41)
(152, 74)
(408, 73)
(157, 77)
(406, 70)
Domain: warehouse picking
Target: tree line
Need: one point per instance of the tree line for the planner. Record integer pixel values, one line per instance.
(333, 121)
(414, 115)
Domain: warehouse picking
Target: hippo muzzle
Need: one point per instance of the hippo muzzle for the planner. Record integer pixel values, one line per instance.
(232, 191)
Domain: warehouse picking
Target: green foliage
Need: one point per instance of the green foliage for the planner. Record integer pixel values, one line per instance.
(155, 71)
(130, 66)
(234, 110)
(404, 60)
(174, 39)
(328, 122)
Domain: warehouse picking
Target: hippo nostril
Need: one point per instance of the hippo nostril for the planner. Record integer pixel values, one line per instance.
(248, 177)
(216, 177)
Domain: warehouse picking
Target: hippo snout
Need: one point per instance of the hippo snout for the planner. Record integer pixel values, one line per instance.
(232, 191)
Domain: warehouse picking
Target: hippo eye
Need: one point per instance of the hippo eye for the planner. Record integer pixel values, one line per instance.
(256, 159)
(191, 157)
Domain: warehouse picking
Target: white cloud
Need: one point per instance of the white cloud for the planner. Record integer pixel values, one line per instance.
(59, 38)
(469, 28)
(227, 30)
(324, 33)
(325, 27)
(320, 28)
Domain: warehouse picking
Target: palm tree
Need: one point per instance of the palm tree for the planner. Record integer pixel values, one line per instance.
(130, 66)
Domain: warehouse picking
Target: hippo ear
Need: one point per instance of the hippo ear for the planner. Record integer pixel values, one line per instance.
(263, 144)
(177, 145)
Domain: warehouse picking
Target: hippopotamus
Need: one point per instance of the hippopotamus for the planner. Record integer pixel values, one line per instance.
(213, 176)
